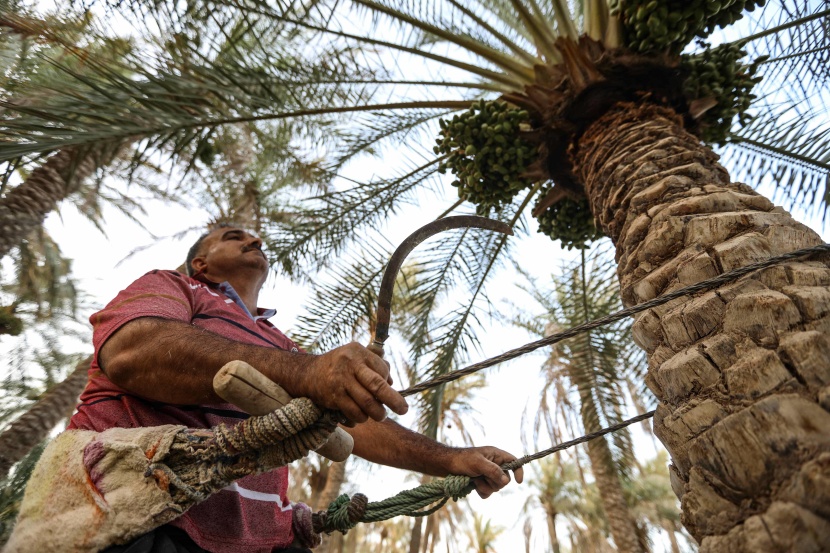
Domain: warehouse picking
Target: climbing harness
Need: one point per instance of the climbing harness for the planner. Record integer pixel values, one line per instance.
(149, 476)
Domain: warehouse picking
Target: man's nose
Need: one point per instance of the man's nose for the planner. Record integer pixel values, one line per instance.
(255, 242)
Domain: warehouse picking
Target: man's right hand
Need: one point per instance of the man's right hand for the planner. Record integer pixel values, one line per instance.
(354, 381)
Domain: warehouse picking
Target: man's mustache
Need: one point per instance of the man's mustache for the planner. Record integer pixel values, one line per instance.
(246, 249)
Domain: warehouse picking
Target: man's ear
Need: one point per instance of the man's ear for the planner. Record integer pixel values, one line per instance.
(199, 264)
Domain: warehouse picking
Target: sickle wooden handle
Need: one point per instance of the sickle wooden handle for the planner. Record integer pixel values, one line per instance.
(253, 392)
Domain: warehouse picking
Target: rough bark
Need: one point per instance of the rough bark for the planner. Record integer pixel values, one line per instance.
(25, 207)
(34, 425)
(742, 373)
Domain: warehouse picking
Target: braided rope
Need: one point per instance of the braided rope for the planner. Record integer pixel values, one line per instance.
(203, 461)
(342, 515)
(723, 278)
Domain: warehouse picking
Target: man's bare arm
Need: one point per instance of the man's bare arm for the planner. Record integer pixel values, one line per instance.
(389, 443)
(174, 362)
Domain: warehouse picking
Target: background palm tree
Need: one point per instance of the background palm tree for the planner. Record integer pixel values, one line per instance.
(653, 501)
(602, 122)
(556, 491)
(484, 534)
(595, 365)
(236, 173)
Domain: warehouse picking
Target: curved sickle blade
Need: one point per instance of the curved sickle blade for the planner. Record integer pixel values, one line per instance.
(395, 262)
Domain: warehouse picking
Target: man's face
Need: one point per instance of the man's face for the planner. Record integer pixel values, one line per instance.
(227, 250)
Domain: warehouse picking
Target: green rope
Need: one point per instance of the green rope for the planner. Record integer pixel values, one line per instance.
(344, 513)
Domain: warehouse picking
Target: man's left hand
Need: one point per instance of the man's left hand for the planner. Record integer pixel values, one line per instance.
(483, 465)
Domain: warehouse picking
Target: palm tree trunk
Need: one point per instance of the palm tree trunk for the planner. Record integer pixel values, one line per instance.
(554, 539)
(670, 529)
(415, 537)
(34, 425)
(428, 533)
(617, 513)
(620, 521)
(334, 481)
(25, 207)
(741, 372)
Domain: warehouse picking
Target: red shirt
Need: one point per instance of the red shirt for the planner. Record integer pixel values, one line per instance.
(253, 514)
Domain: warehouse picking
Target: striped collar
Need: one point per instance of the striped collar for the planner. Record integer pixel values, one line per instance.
(227, 289)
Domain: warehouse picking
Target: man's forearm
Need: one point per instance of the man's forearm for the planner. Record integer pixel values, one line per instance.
(174, 362)
(389, 443)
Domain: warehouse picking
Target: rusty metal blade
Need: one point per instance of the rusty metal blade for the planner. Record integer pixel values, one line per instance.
(397, 259)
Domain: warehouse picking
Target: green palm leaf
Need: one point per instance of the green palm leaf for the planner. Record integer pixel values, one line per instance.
(787, 143)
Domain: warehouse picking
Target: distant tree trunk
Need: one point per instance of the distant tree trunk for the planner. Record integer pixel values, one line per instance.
(554, 538)
(428, 534)
(334, 481)
(617, 512)
(527, 531)
(670, 529)
(435, 535)
(741, 372)
(25, 207)
(417, 535)
(415, 538)
(34, 425)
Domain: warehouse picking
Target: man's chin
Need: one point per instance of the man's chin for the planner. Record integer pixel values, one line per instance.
(253, 262)
(259, 254)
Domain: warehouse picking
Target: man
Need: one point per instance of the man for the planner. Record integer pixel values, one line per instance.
(158, 345)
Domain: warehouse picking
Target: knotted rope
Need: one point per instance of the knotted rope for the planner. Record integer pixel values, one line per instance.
(201, 462)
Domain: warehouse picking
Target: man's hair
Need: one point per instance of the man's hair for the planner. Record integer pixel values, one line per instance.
(196, 248)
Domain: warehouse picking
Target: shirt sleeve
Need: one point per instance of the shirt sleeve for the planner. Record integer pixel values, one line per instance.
(164, 294)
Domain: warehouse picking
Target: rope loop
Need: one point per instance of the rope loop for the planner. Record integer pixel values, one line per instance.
(203, 461)
(456, 487)
(342, 515)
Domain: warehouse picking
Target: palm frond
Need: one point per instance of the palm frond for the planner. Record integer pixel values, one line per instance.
(317, 233)
(795, 36)
(786, 143)
(173, 110)
(595, 366)
(441, 343)
(792, 157)
(378, 132)
(344, 302)
(12, 488)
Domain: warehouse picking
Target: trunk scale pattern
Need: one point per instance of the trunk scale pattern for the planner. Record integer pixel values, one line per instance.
(742, 372)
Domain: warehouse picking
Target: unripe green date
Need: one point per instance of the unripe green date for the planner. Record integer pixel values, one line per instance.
(486, 154)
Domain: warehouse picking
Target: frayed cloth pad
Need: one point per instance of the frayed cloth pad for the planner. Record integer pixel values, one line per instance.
(89, 491)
